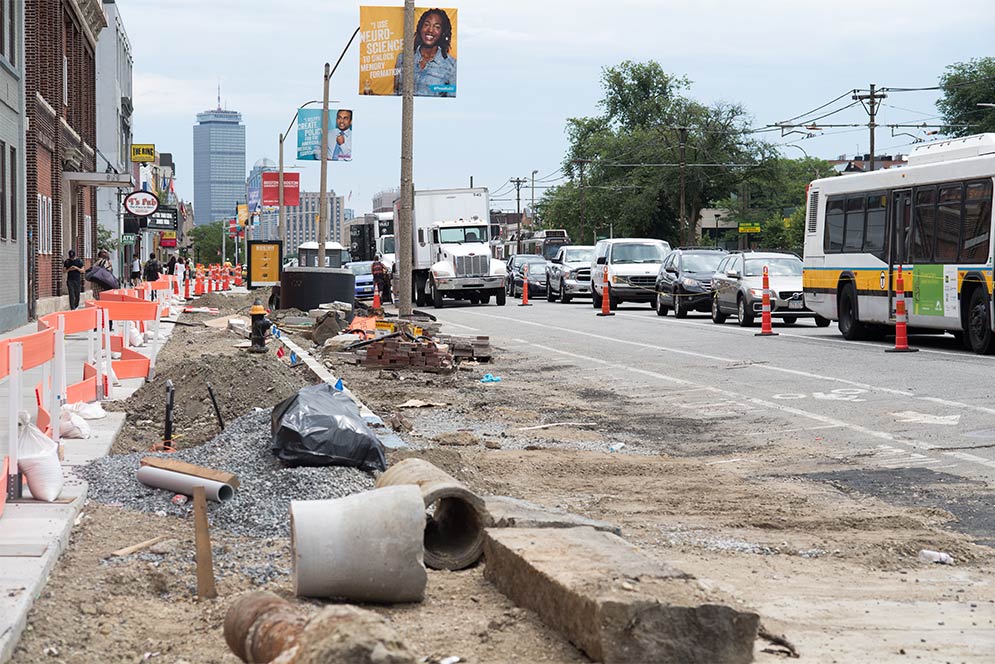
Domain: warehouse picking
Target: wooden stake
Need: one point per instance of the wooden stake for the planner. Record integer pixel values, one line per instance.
(205, 565)
(128, 550)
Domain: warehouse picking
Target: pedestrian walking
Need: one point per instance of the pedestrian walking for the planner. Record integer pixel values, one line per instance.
(171, 265)
(73, 268)
(136, 270)
(381, 278)
(105, 281)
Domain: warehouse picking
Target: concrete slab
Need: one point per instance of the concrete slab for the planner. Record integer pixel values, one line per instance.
(612, 601)
(506, 512)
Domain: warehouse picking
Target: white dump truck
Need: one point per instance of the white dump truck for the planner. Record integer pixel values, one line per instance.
(451, 250)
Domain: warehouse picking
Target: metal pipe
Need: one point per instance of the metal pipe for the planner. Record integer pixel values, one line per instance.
(167, 437)
(217, 411)
(160, 478)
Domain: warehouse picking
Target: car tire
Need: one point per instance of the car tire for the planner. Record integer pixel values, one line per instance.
(483, 298)
(550, 295)
(717, 316)
(978, 330)
(595, 299)
(789, 320)
(437, 297)
(613, 302)
(501, 297)
(680, 310)
(822, 322)
(850, 326)
(743, 313)
(564, 297)
(661, 308)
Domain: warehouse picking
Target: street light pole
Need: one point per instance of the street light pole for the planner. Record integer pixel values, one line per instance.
(281, 231)
(323, 195)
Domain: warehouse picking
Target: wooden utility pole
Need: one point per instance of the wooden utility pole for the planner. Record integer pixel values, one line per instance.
(405, 262)
(518, 182)
(323, 201)
(871, 98)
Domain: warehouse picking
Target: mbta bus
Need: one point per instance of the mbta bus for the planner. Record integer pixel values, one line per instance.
(544, 243)
(933, 218)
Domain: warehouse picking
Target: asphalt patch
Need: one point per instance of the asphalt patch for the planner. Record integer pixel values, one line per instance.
(968, 500)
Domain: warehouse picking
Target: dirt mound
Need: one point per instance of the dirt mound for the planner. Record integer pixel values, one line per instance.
(230, 303)
(194, 357)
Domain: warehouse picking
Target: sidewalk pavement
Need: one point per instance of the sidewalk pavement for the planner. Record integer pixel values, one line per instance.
(34, 534)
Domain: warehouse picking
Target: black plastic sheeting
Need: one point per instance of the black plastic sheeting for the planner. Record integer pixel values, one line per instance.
(320, 426)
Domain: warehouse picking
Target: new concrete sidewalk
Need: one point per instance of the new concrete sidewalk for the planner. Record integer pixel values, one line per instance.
(34, 534)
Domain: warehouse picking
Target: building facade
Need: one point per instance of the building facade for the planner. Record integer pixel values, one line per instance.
(218, 165)
(302, 220)
(13, 253)
(115, 65)
(61, 174)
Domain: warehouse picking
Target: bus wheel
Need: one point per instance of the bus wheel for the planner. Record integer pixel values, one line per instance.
(978, 329)
(850, 327)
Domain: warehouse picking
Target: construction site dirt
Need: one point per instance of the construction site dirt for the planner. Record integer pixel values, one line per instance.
(830, 567)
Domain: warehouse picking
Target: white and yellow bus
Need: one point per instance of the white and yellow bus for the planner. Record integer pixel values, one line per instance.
(933, 218)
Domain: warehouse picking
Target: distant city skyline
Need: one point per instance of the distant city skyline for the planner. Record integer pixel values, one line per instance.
(218, 164)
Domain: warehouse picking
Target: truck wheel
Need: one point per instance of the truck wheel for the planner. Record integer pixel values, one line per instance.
(564, 297)
(595, 298)
(500, 297)
(436, 297)
(550, 295)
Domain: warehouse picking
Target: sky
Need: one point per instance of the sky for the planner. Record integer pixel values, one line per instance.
(526, 67)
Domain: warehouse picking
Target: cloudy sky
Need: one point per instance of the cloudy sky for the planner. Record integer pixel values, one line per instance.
(524, 67)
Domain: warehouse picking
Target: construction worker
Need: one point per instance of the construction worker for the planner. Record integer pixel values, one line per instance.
(381, 279)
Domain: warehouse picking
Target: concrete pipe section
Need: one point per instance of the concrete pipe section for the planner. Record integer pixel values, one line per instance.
(366, 547)
(160, 478)
(454, 531)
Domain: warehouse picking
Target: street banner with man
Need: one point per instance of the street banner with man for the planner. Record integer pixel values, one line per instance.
(339, 136)
(381, 51)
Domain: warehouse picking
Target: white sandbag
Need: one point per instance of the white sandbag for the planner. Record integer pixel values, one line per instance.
(88, 411)
(38, 459)
(135, 338)
(72, 425)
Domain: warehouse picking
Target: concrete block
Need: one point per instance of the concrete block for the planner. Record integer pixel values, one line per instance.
(505, 512)
(612, 601)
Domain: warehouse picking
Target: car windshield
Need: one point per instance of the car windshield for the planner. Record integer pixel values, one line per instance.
(463, 234)
(777, 266)
(638, 253)
(532, 260)
(361, 268)
(388, 245)
(699, 263)
(578, 255)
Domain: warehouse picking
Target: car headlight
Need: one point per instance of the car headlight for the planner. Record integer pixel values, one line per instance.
(441, 273)
(757, 292)
(618, 279)
(691, 283)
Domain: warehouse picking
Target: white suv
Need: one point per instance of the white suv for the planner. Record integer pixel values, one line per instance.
(633, 264)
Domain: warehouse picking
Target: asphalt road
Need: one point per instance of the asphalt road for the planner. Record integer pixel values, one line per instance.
(934, 409)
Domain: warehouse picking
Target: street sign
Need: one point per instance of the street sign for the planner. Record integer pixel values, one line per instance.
(128, 238)
(166, 218)
(143, 152)
(141, 203)
(749, 227)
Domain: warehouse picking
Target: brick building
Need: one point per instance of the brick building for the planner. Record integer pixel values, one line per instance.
(60, 95)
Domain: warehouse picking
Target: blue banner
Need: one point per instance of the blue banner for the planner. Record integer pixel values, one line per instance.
(309, 134)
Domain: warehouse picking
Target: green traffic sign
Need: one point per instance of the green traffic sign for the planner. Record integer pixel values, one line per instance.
(128, 238)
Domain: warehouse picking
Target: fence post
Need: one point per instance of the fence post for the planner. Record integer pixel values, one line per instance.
(58, 388)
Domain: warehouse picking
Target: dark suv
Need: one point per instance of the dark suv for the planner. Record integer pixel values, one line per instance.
(684, 282)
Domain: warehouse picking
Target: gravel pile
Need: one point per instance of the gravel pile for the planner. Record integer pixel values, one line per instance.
(261, 506)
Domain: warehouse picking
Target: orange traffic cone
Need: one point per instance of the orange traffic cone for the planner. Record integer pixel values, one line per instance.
(186, 288)
(606, 309)
(766, 330)
(525, 286)
(377, 304)
(901, 320)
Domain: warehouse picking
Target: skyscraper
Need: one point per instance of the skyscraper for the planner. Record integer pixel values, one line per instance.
(218, 164)
(302, 220)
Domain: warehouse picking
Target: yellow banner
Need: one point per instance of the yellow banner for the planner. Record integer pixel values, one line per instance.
(143, 152)
(382, 45)
(264, 264)
(243, 215)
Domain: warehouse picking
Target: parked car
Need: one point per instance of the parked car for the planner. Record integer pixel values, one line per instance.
(569, 274)
(738, 288)
(363, 270)
(684, 282)
(513, 280)
(632, 265)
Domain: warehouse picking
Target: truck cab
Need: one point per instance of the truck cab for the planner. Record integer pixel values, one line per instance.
(461, 264)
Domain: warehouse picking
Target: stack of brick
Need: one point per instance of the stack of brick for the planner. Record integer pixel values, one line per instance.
(396, 353)
(468, 347)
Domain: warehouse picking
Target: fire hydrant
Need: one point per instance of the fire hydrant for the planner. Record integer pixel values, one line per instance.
(260, 326)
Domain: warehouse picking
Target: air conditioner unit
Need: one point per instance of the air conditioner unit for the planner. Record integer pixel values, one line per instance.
(72, 158)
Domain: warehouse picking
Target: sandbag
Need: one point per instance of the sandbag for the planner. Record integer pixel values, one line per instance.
(88, 411)
(38, 459)
(135, 338)
(72, 425)
(320, 426)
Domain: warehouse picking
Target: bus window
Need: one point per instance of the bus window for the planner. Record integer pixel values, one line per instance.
(977, 222)
(835, 208)
(922, 238)
(948, 224)
(853, 236)
(877, 205)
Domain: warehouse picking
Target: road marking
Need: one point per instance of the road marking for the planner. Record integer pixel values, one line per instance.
(971, 458)
(824, 426)
(767, 367)
(925, 418)
(716, 463)
(465, 327)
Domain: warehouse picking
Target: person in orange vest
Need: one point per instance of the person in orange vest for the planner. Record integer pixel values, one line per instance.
(382, 279)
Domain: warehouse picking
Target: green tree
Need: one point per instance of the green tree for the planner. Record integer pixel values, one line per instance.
(106, 239)
(206, 240)
(965, 85)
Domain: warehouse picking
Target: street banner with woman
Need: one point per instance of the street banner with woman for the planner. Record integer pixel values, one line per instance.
(381, 51)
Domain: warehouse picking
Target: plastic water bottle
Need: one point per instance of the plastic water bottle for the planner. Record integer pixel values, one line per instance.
(616, 447)
(927, 556)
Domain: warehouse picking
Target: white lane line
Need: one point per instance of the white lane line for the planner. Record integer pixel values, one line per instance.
(768, 367)
(716, 463)
(906, 463)
(465, 327)
(971, 458)
(743, 399)
(824, 426)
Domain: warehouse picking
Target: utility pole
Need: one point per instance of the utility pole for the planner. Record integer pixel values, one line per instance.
(534, 194)
(281, 232)
(404, 229)
(683, 132)
(323, 201)
(580, 163)
(871, 113)
(518, 182)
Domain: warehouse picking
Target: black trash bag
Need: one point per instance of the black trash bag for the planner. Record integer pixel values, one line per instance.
(320, 426)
